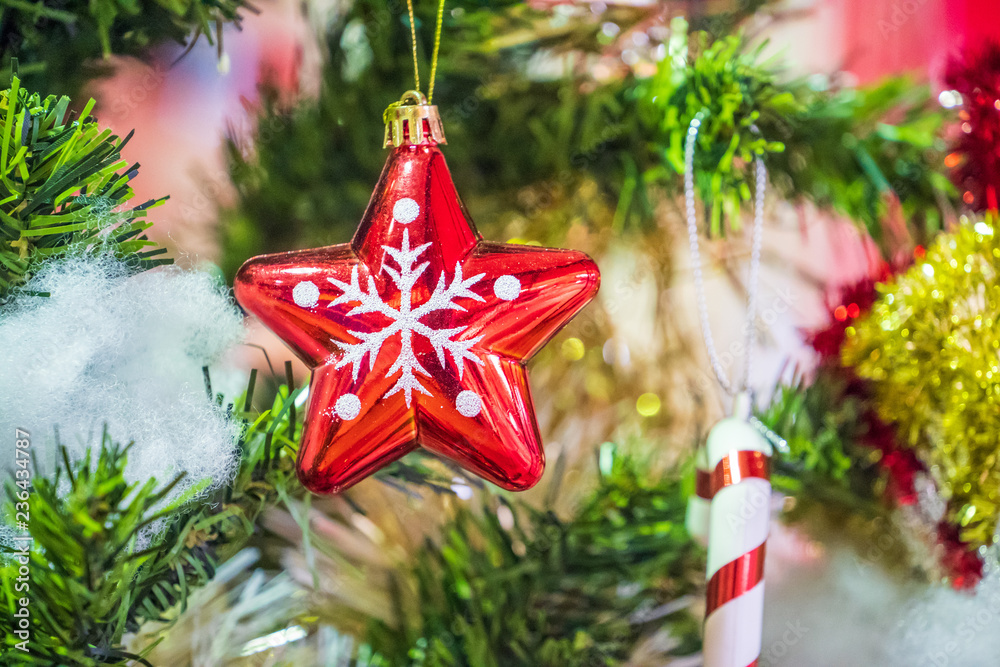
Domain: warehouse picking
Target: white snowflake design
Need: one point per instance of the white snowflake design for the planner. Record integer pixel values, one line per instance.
(406, 319)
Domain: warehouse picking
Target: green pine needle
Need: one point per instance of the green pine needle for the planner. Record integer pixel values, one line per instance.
(521, 145)
(64, 188)
(61, 45)
(85, 565)
(865, 153)
(109, 556)
(533, 589)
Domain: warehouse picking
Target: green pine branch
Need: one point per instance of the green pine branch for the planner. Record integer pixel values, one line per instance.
(64, 188)
(62, 45)
(109, 555)
(86, 522)
(536, 589)
(518, 140)
(870, 153)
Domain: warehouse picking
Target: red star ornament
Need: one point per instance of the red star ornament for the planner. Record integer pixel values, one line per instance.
(417, 332)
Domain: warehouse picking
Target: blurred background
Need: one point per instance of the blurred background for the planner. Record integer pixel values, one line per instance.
(632, 367)
(185, 104)
(564, 123)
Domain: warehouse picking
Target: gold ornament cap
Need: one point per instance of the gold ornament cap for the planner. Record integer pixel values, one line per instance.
(412, 122)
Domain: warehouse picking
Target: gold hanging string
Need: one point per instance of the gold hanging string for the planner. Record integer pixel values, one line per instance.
(413, 38)
(437, 48)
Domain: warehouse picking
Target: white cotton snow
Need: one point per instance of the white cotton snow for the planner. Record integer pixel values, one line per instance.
(838, 610)
(841, 608)
(125, 352)
(945, 627)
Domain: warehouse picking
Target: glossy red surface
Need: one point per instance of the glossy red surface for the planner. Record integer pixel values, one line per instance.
(735, 578)
(737, 466)
(302, 297)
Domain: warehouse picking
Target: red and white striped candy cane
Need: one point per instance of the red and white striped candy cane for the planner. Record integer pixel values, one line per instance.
(698, 507)
(740, 511)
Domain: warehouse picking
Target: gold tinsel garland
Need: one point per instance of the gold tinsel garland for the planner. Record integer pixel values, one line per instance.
(930, 348)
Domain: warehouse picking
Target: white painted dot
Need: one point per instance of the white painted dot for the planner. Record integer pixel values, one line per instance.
(348, 407)
(468, 403)
(406, 210)
(507, 288)
(306, 294)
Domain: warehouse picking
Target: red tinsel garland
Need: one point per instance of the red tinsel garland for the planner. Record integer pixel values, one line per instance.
(976, 75)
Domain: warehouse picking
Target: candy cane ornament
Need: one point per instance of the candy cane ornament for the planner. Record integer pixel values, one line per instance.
(738, 458)
(697, 517)
(738, 526)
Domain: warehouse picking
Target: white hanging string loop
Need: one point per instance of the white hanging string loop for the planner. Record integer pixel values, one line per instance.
(756, 236)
